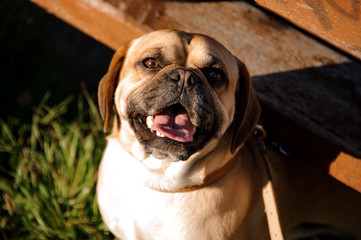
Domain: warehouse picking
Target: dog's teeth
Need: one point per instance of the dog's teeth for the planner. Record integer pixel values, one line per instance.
(194, 130)
(159, 134)
(150, 121)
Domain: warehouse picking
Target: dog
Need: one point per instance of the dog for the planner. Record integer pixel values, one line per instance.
(177, 164)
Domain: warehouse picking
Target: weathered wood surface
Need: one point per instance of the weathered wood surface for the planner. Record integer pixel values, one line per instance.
(297, 78)
(97, 19)
(335, 21)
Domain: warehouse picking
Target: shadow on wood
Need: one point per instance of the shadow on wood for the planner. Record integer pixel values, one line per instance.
(324, 99)
(316, 114)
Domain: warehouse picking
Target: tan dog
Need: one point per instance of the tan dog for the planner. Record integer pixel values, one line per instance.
(175, 166)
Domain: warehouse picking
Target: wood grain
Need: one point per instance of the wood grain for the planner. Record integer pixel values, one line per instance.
(96, 18)
(335, 21)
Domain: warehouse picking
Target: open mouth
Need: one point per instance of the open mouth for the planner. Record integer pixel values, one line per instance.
(172, 122)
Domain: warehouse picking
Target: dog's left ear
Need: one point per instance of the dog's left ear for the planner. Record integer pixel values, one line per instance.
(247, 108)
(108, 84)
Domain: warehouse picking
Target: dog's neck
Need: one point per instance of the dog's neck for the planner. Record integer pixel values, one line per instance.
(209, 179)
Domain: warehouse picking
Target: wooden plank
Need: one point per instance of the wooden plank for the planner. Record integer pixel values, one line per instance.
(347, 169)
(294, 75)
(303, 145)
(335, 21)
(97, 19)
(344, 170)
(266, 44)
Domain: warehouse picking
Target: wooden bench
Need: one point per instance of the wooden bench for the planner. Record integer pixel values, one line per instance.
(310, 92)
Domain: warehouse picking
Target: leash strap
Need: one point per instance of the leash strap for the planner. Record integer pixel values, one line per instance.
(268, 193)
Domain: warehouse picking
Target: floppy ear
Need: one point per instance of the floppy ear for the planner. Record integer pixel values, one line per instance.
(247, 108)
(108, 84)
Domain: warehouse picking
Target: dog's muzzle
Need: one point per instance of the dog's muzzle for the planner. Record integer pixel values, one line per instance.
(173, 115)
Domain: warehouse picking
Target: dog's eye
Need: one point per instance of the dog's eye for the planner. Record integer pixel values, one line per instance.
(215, 75)
(150, 63)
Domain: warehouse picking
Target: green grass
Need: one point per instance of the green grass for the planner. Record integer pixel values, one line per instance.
(48, 172)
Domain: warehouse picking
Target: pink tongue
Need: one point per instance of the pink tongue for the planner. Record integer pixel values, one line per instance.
(176, 126)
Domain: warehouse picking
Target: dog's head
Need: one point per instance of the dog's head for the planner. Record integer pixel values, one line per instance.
(178, 94)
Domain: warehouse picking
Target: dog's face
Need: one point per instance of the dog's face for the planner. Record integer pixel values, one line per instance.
(177, 94)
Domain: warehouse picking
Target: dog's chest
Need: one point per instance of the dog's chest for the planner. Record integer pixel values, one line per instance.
(133, 211)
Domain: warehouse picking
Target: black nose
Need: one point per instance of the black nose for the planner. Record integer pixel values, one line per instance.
(185, 76)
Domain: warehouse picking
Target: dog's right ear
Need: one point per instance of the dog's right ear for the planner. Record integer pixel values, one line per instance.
(247, 108)
(108, 84)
